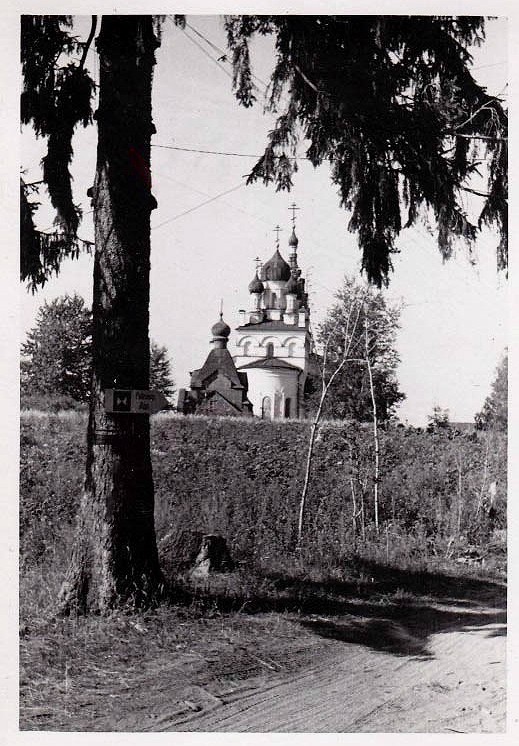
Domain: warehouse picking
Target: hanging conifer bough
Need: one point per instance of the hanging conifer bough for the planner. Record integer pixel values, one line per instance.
(115, 560)
(391, 103)
(56, 97)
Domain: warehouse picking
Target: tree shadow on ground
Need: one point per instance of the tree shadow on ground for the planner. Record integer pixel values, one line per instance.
(371, 579)
(402, 629)
(379, 634)
(386, 609)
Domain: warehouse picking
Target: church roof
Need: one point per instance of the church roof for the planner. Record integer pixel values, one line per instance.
(220, 329)
(219, 360)
(293, 241)
(270, 363)
(256, 286)
(270, 325)
(276, 268)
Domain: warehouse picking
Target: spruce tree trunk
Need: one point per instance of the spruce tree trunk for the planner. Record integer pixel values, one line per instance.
(115, 560)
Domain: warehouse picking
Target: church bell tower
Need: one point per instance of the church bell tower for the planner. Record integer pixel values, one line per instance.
(272, 344)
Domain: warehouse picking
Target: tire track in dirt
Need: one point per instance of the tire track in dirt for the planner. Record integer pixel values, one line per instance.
(348, 687)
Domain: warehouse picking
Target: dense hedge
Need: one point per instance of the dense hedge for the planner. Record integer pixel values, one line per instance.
(243, 478)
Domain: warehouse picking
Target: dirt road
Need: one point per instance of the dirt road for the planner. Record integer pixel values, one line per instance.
(455, 684)
(430, 658)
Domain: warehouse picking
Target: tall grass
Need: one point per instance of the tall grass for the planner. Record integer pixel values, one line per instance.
(242, 478)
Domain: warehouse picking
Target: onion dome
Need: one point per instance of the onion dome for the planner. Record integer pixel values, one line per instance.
(220, 329)
(256, 286)
(292, 286)
(276, 268)
(293, 240)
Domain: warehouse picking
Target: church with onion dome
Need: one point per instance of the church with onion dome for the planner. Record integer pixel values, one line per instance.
(265, 371)
(217, 387)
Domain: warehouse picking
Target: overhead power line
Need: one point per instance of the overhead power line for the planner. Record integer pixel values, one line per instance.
(223, 55)
(206, 194)
(208, 152)
(197, 207)
(228, 153)
(204, 51)
(207, 41)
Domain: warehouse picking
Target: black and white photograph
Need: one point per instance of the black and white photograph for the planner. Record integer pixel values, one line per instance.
(263, 371)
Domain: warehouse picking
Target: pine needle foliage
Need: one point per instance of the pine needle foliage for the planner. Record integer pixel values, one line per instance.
(349, 397)
(56, 357)
(42, 252)
(494, 414)
(160, 371)
(390, 102)
(56, 97)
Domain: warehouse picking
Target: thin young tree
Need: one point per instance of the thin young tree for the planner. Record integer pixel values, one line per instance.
(365, 362)
(369, 366)
(351, 396)
(389, 101)
(341, 358)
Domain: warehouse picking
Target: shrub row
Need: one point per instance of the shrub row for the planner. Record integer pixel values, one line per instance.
(439, 492)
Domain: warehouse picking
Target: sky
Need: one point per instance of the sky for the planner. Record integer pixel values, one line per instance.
(209, 227)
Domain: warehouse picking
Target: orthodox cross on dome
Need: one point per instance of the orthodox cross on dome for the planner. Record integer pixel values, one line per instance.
(221, 308)
(293, 207)
(277, 231)
(293, 242)
(258, 263)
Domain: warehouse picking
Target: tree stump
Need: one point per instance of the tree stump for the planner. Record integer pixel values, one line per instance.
(178, 550)
(213, 556)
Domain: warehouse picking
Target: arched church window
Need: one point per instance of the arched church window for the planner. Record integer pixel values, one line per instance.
(246, 348)
(266, 408)
(288, 404)
(270, 350)
(291, 349)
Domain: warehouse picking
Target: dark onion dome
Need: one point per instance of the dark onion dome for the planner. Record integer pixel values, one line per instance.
(276, 268)
(256, 286)
(293, 240)
(292, 286)
(220, 329)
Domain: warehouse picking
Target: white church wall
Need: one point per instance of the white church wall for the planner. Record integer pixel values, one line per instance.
(277, 386)
(288, 347)
(287, 342)
(274, 296)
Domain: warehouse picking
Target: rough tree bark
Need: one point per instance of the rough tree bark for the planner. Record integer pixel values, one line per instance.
(115, 560)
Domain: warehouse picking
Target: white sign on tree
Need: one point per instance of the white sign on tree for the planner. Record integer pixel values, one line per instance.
(134, 401)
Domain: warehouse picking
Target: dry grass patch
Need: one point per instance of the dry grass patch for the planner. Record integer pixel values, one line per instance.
(127, 672)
